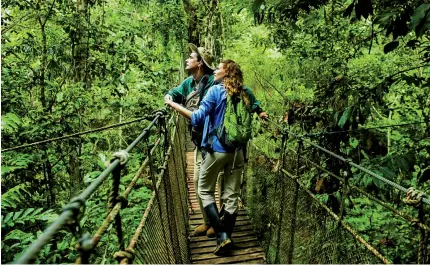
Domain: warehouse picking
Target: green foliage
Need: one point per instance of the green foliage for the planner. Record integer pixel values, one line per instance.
(315, 65)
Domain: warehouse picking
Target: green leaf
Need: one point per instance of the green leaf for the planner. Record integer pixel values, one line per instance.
(29, 210)
(60, 96)
(418, 17)
(7, 218)
(364, 154)
(389, 174)
(345, 116)
(353, 142)
(5, 170)
(16, 215)
(390, 46)
(38, 210)
(18, 235)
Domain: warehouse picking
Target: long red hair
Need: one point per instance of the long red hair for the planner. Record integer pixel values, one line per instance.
(233, 80)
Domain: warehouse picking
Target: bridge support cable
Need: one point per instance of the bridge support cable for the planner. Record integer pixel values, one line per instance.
(373, 198)
(318, 237)
(371, 173)
(74, 206)
(318, 134)
(338, 219)
(304, 235)
(148, 117)
(162, 235)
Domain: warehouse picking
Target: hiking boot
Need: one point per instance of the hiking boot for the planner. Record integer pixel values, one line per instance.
(229, 222)
(210, 233)
(201, 229)
(222, 239)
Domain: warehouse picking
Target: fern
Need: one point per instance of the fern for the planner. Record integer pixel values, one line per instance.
(15, 197)
(27, 215)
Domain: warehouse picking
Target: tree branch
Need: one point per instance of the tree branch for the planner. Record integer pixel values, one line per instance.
(49, 12)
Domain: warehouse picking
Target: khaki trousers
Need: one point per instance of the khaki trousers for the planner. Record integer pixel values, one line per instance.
(197, 163)
(211, 166)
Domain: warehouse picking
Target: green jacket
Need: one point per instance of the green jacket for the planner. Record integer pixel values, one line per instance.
(180, 93)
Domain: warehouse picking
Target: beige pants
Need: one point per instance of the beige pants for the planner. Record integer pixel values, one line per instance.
(197, 164)
(220, 183)
(210, 168)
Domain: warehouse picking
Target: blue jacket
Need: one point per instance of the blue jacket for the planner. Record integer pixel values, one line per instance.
(211, 113)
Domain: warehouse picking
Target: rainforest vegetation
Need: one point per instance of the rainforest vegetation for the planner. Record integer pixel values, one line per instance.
(316, 66)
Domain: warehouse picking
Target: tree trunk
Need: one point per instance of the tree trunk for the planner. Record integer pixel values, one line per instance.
(193, 33)
(80, 40)
(43, 66)
(47, 172)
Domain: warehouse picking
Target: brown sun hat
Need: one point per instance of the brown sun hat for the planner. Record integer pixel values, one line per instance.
(206, 55)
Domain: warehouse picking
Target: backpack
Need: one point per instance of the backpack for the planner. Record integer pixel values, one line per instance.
(235, 129)
(192, 103)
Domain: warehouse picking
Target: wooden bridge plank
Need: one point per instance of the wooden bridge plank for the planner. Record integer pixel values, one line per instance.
(230, 260)
(198, 215)
(255, 261)
(237, 245)
(247, 248)
(237, 228)
(240, 220)
(234, 236)
(236, 252)
(212, 243)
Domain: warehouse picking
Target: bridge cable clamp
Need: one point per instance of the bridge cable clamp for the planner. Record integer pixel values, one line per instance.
(122, 155)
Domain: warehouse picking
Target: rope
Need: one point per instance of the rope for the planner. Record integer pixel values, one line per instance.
(31, 252)
(148, 117)
(336, 217)
(282, 204)
(414, 197)
(373, 198)
(113, 198)
(422, 245)
(127, 253)
(121, 201)
(389, 182)
(363, 128)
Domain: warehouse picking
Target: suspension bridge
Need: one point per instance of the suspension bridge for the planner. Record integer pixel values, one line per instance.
(281, 220)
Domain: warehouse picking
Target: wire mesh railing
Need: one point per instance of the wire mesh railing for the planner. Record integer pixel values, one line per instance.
(343, 224)
(161, 236)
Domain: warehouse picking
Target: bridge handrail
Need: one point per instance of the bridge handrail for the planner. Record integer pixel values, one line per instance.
(302, 138)
(73, 208)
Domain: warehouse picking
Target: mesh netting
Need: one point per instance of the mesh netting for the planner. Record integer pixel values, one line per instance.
(163, 238)
(294, 225)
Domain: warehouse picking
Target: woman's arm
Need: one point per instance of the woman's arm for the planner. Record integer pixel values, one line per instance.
(183, 111)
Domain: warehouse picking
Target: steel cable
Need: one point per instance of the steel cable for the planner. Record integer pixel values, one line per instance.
(67, 213)
(148, 117)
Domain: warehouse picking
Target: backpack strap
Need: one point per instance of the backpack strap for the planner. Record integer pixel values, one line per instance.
(202, 84)
(208, 145)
